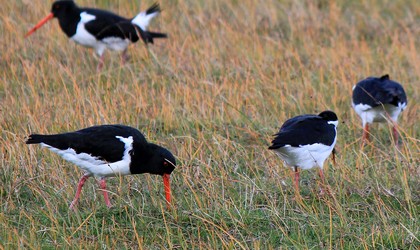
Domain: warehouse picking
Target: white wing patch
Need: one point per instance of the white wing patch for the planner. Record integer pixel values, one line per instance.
(128, 147)
(71, 156)
(96, 166)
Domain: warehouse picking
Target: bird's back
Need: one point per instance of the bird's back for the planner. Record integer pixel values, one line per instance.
(304, 130)
(374, 92)
(99, 141)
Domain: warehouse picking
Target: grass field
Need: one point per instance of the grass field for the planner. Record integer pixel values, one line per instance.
(214, 93)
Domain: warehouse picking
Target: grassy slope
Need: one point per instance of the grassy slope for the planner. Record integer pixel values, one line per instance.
(214, 92)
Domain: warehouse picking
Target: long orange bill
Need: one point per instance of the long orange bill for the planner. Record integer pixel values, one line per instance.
(38, 25)
(166, 179)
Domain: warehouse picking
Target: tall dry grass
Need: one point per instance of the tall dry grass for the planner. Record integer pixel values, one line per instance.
(228, 76)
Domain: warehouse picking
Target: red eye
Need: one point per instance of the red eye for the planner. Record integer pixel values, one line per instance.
(165, 163)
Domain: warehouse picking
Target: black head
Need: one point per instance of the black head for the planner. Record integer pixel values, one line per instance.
(63, 8)
(162, 161)
(328, 116)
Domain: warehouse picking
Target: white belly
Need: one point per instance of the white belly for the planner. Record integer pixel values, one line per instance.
(305, 157)
(116, 43)
(378, 113)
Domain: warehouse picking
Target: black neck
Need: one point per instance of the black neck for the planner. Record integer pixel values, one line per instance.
(68, 21)
(144, 159)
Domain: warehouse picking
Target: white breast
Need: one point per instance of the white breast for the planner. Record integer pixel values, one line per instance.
(82, 36)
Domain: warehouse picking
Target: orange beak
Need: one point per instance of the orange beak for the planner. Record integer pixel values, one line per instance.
(166, 179)
(38, 25)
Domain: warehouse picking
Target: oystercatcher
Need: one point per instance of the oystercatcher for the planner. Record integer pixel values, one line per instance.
(109, 150)
(100, 29)
(377, 100)
(306, 141)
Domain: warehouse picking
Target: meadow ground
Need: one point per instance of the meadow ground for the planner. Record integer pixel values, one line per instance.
(214, 93)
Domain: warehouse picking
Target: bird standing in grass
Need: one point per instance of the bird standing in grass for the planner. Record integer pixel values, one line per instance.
(378, 100)
(109, 150)
(306, 141)
(100, 29)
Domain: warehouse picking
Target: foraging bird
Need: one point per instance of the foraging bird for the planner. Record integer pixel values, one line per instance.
(100, 29)
(376, 100)
(306, 141)
(109, 150)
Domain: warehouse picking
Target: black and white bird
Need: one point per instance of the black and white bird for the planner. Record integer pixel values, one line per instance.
(378, 100)
(306, 141)
(109, 150)
(100, 29)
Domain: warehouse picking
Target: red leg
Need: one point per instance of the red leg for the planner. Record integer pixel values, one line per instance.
(102, 185)
(365, 137)
(79, 190)
(297, 175)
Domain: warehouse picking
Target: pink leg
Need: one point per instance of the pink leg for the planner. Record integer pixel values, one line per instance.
(79, 190)
(297, 175)
(101, 63)
(102, 185)
(395, 133)
(124, 57)
(321, 174)
(365, 137)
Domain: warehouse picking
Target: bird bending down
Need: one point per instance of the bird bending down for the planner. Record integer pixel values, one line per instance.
(101, 29)
(378, 100)
(306, 141)
(109, 150)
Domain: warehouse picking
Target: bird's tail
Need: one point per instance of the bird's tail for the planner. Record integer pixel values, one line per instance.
(35, 139)
(143, 18)
(148, 36)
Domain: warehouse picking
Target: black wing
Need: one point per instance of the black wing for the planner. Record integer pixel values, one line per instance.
(304, 130)
(123, 30)
(377, 91)
(108, 24)
(98, 141)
